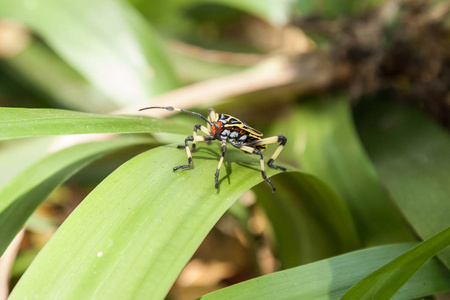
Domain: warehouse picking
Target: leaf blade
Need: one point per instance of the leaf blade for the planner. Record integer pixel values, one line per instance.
(387, 280)
(328, 147)
(25, 192)
(23, 122)
(155, 232)
(309, 220)
(411, 155)
(331, 278)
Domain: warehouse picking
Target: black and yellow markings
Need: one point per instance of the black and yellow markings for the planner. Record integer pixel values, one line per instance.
(198, 138)
(272, 140)
(226, 128)
(252, 150)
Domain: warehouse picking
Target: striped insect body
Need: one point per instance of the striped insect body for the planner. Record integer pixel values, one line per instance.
(228, 129)
(235, 131)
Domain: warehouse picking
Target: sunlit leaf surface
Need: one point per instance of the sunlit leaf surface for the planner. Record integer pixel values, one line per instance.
(24, 193)
(131, 237)
(23, 122)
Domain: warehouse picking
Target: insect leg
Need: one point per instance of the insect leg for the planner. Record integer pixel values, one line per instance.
(194, 144)
(272, 140)
(261, 160)
(216, 178)
(197, 138)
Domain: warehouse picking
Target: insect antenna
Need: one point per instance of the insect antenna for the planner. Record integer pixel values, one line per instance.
(170, 108)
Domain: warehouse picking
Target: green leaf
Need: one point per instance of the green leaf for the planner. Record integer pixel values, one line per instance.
(411, 154)
(330, 278)
(105, 40)
(24, 193)
(15, 156)
(23, 122)
(133, 234)
(309, 220)
(387, 280)
(324, 143)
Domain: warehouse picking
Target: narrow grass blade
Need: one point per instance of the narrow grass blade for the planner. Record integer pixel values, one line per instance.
(133, 234)
(411, 154)
(24, 122)
(24, 193)
(387, 280)
(330, 278)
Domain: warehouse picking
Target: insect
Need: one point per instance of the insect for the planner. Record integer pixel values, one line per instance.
(226, 128)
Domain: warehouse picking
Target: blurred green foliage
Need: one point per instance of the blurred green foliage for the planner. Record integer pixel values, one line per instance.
(364, 169)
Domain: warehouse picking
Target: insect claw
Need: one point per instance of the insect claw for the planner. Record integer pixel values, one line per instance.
(278, 167)
(181, 167)
(271, 165)
(216, 179)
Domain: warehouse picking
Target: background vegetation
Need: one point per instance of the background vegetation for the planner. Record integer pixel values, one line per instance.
(360, 89)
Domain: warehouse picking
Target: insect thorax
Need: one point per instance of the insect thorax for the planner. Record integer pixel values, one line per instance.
(237, 132)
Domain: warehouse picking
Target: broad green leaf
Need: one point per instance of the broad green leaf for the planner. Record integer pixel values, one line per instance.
(411, 154)
(330, 278)
(25, 192)
(105, 40)
(133, 234)
(387, 280)
(310, 222)
(322, 137)
(23, 122)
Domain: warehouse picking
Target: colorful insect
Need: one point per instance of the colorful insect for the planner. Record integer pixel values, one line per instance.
(226, 128)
